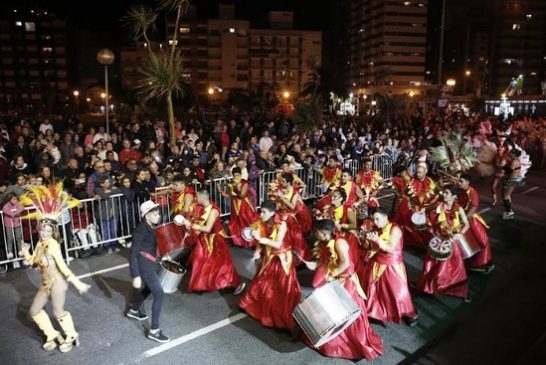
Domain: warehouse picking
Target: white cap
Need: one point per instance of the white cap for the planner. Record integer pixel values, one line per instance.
(137, 141)
(146, 207)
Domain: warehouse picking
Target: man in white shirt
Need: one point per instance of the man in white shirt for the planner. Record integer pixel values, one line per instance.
(265, 142)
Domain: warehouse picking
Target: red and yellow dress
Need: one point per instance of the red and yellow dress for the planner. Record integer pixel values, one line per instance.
(298, 221)
(444, 277)
(357, 341)
(368, 181)
(243, 214)
(340, 216)
(419, 194)
(386, 284)
(274, 291)
(478, 230)
(212, 266)
(331, 176)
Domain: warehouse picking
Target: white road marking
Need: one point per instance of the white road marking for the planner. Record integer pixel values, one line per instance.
(191, 336)
(531, 189)
(484, 210)
(113, 268)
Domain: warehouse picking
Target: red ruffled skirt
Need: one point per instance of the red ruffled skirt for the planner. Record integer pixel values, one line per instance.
(247, 215)
(358, 341)
(272, 296)
(214, 270)
(478, 233)
(412, 236)
(389, 299)
(304, 218)
(299, 244)
(444, 277)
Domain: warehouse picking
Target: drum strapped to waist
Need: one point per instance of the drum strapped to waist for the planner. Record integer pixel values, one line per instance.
(326, 312)
(170, 275)
(440, 249)
(468, 248)
(419, 220)
(171, 241)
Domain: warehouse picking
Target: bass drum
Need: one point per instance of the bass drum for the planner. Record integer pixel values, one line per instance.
(170, 276)
(326, 312)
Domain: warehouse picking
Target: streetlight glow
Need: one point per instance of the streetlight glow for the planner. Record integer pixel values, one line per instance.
(468, 73)
(411, 94)
(451, 82)
(211, 90)
(76, 93)
(286, 94)
(103, 95)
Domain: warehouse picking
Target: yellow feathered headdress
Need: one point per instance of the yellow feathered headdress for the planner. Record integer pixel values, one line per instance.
(49, 201)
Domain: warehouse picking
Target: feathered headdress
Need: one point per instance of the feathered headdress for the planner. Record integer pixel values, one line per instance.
(455, 153)
(49, 201)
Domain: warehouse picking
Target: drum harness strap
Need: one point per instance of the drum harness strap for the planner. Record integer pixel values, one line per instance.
(148, 256)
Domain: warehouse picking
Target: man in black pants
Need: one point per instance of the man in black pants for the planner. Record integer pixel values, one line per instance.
(143, 264)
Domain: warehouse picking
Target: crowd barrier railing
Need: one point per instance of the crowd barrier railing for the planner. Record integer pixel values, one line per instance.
(105, 223)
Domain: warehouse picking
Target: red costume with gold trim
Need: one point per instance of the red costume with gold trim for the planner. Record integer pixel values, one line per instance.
(357, 341)
(274, 291)
(478, 229)
(385, 282)
(444, 277)
(243, 214)
(212, 266)
(340, 216)
(178, 201)
(419, 195)
(298, 221)
(369, 183)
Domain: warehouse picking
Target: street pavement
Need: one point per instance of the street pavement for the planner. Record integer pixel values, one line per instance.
(504, 323)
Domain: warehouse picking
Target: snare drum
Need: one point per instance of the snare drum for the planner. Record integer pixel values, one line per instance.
(419, 220)
(326, 312)
(468, 248)
(440, 249)
(170, 276)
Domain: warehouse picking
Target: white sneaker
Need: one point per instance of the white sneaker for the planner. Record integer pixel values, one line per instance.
(240, 288)
(508, 215)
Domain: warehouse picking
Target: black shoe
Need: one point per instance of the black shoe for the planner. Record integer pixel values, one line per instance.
(158, 336)
(138, 315)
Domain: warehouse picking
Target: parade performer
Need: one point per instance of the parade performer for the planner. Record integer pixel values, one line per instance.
(447, 277)
(355, 196)
(385, 281)
(274, 291)
(291, 207)
(50, 202)
(243, 213)
(144, 265)
(370, 182)
(210, 260)
(334, 262)
(469, 199)
(183, 199)
(514, 177)
(420, 194)
(331, 176)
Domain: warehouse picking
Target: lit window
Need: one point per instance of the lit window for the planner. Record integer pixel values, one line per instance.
(184, 29)
(47, 49)
(171, 42)
(232, 30)
(529, 16)
(407, 3)
(18, 24)
(533, 73)
(516, 26)
(508, 61)
(30, 27)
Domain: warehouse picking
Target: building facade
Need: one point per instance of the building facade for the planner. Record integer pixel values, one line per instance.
(34, 60)
(385, 45)
(226, 54)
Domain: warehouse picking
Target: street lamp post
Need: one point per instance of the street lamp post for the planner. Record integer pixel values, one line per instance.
(106, 57)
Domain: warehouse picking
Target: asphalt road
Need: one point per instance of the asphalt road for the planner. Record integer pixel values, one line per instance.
(504, 323)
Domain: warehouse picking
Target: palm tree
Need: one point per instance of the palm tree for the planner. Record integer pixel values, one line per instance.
(162, 72)
(308, 108)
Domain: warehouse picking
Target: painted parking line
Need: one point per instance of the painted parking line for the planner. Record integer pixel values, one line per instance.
(531, 189)
(191, 336)
(98, 272)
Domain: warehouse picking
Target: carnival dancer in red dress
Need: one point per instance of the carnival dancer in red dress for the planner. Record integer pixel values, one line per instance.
(469, 199)
(298, 183)
(183, 199)
(297, 215)
(344, 218)
(331, 175)
(212, 266)
(420, 194)
(370, 182)
(243, 213)
(274, 291)
(385, 281)
(334, 262)
(447, 277)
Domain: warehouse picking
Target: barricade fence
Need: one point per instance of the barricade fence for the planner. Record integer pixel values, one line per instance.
(106, 223)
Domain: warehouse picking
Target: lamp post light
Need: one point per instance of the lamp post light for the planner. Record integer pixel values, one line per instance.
(106, 57)
(451, 82)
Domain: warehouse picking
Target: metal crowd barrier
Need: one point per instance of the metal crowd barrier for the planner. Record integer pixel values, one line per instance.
(104, 223)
